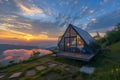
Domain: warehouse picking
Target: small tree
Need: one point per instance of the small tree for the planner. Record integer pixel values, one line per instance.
(12, 62)
(36, 53)
(117, 27)
(114, 35)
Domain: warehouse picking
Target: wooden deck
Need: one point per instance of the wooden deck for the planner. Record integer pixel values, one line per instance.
(76, 56)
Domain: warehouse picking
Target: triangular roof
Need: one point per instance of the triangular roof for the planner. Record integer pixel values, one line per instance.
(84, 34)
(84, 37)
(87, 38)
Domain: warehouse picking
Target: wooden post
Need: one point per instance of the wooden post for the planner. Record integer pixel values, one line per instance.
(76, 42)
(64, 43)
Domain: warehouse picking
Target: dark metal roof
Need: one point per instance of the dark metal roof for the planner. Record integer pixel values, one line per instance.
(84, 34)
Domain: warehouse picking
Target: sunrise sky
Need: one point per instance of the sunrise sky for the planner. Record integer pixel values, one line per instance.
(41, 22)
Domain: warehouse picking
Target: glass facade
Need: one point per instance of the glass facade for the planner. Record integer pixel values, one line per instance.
(71, 41)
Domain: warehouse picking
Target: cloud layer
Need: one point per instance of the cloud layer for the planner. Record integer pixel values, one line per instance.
(47, 20)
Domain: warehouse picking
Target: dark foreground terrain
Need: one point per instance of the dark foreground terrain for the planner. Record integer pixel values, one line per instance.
(107, 67)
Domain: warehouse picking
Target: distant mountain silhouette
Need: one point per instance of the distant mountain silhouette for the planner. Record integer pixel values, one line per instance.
(10, 46)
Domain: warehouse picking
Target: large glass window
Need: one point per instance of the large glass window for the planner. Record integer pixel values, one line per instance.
(72, 32)
(80, 43)
(71, 40)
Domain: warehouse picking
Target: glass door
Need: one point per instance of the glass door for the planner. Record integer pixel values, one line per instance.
(70, 44)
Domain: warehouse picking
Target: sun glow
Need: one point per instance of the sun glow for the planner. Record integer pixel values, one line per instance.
(28, 37)
(25, 36)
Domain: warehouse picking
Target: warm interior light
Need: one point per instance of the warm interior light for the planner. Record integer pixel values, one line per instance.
(68, 44)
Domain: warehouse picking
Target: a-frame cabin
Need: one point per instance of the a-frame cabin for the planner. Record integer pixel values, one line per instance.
(75, 44)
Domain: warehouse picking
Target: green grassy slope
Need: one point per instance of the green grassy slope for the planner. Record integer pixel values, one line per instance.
(115, 51)
(107, 67)
(115, 47)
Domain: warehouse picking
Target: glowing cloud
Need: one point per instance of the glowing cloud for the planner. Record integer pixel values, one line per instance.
(91, 11)
(9, 33)
(85, 26)
(93, 19)
(31, 11)
(43, 37)
(28, 37)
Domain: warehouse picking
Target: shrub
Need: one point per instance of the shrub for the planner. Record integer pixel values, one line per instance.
(111, 36)
(95, 46)
(36, 53)
(11, 62)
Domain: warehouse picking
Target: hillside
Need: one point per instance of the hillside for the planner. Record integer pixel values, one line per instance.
(115, 47)
(106, 65)
(115, 51)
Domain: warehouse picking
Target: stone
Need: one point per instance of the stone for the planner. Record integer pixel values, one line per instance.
(15, 75)
(52, 64)
(31, 73)
(40, 68)
(53, 55)
(2, 75)
(87, 70)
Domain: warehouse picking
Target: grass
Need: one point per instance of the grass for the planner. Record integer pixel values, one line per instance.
(106, 64)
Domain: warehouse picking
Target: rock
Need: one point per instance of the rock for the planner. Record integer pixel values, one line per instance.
(53, 55)
(52, 64)
(2, 75)
(31, 73)
(15, 75)
(88, 70)
(40, 68)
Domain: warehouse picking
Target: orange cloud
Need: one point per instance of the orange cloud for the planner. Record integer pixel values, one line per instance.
(24, 36)
(6, 32)
(44, 37)
(32, 11)
(39, 37)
